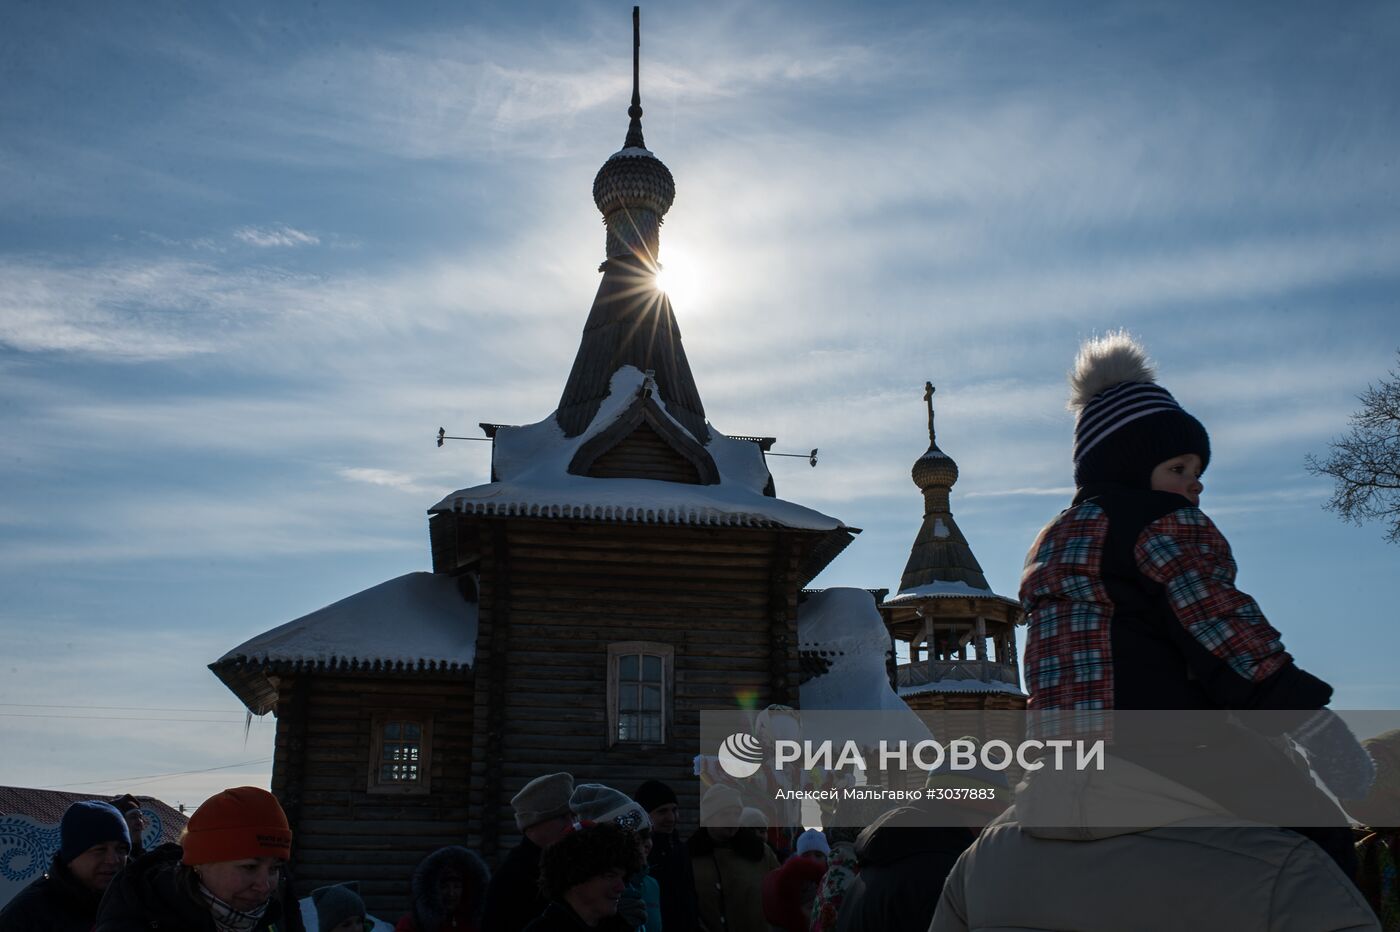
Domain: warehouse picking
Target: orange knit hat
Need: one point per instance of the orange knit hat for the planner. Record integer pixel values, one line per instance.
(244, 822)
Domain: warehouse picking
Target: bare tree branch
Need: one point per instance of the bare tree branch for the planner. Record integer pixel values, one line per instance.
(1365, 463)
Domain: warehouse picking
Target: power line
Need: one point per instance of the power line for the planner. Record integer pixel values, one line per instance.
(163, 776)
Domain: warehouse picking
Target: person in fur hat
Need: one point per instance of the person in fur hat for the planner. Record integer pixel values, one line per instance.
(1131, 603)
(449, 887)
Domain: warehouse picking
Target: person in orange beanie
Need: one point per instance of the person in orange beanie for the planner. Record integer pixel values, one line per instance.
(224, 876)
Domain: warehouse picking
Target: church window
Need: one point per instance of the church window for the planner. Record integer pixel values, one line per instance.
(400, 752)
(639, 692)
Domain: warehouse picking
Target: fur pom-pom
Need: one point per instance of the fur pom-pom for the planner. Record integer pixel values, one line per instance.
(1104, 362)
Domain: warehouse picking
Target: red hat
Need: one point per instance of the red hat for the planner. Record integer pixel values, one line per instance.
(244, 822)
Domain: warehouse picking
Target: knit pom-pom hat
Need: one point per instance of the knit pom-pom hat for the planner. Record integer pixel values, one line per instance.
(244, 822)
(1126, 424)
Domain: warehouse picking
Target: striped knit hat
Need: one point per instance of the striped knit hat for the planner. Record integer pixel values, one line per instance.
(1127, 424)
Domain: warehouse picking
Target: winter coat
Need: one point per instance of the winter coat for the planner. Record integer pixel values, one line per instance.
(158, 892)
(1131, 603)
(842, 869)
(557, 917)
(1196, 867)
(56, 902)
(513, 897)
(427, 914)
(669, 865)
(903, 863)
(729, 880)
(789, 891)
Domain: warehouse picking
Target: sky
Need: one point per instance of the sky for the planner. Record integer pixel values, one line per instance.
(254, 255)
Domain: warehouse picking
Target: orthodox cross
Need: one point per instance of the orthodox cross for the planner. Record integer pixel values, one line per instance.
(928, 398)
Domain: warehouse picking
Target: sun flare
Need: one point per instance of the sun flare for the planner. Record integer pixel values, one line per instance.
(677, 277)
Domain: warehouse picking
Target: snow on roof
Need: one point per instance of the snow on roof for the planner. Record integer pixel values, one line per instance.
(531, 465)
(961, 686)
(845, 623)
(946, 589)
(632, 152)
(416, 618)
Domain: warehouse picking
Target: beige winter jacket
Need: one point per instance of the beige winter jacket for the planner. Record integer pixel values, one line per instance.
(1199, 870)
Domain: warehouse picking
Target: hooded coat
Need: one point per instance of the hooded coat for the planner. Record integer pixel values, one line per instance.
(903, 863)
(56, 902)
(428, 914)
(1195, 867)
(729, 880)
(156, 893)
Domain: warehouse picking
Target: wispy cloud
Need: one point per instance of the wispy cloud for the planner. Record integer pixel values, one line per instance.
(279, 235)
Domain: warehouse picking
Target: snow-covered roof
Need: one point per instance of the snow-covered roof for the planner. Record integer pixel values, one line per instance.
(845, 624)
(531, 465)
(419, 620)
(961, 686)
(946, 589)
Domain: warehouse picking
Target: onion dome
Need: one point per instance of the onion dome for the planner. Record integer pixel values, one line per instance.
(935, 470)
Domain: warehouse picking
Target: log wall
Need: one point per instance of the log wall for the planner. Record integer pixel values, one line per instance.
(554, 594)
(342, 831)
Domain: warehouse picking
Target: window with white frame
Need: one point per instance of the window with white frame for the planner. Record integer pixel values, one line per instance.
(639, 692)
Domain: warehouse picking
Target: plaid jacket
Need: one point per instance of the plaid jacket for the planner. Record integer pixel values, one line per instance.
(1131, 603)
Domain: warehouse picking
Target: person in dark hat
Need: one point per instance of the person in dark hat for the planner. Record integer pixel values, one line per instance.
(1131, 604)
(130, 808)
(93, 846)
(669, 860)
(542, 813)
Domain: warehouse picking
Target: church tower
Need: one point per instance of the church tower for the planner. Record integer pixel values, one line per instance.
(959, 634)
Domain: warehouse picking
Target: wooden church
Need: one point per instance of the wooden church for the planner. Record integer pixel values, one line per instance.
(626, 566)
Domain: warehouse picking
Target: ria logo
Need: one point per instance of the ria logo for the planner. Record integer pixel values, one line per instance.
(740, 755)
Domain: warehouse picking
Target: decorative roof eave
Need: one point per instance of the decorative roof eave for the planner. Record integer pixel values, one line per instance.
(972, 687)
(621, 514)
(825, 551)
(915, 598)
(255, 681)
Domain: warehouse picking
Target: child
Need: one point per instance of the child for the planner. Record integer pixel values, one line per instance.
(1129, 593)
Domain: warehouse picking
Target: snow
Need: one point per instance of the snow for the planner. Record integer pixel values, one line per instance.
(533, 479)
(962, 686)
(418, 618)
(942, 587)
(846, 621)
(940, 529)
(632, 152)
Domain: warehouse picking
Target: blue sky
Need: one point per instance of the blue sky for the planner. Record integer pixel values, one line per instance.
(253, 255)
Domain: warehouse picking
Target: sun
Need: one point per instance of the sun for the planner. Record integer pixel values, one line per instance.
(677, 276)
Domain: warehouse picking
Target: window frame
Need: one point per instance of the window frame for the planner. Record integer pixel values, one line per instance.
(424, 720)
(667, 654)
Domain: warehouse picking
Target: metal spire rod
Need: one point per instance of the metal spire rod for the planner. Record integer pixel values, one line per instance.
(634, 129)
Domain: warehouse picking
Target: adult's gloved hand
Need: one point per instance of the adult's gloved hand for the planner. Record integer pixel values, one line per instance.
(1335, 754)
(633, 910)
